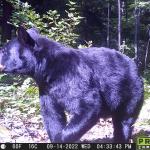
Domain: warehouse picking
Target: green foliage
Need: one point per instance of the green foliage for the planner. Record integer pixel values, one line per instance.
(50, 24)
(140, 4)
(61, 29)
(22, 98)
(145, 5)
(147, 76)
(24, 14)
(147, 84)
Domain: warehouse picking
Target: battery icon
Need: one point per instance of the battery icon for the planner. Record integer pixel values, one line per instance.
(3, 146)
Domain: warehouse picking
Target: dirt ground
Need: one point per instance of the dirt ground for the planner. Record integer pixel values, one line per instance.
(16, 128)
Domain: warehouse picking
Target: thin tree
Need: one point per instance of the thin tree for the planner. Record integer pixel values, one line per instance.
(147, 48)
(119, 24)
(137, 27)
(108, 24)
(126, 16)
(138, 58)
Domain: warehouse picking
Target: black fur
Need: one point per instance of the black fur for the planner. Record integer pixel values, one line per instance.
(88, 83)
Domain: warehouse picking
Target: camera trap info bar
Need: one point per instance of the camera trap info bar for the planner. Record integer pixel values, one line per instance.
(67, 146)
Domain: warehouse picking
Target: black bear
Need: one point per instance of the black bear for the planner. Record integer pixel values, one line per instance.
(88, 83)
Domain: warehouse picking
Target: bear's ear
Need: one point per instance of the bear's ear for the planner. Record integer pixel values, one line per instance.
(24, 37)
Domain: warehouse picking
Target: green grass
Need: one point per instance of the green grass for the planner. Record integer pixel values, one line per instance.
(24, 97)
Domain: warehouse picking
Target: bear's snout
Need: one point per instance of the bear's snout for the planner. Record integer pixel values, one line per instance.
(1, 68)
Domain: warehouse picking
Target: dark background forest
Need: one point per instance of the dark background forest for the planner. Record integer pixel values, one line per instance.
(123, 25)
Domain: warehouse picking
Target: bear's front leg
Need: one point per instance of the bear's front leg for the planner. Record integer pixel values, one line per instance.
(54, 117)
(78, 125)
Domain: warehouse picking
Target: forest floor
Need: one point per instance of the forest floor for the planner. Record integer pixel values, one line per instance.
(22, 124)
(16, 128)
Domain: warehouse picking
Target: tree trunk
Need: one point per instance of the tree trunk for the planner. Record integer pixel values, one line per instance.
(147, 52)
(136, 38)
(108, 25)
(126, 15)
(119, 24)
(138, 54)
(6, 14)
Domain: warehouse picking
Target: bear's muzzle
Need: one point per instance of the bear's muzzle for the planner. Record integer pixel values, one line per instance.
(1, 68)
